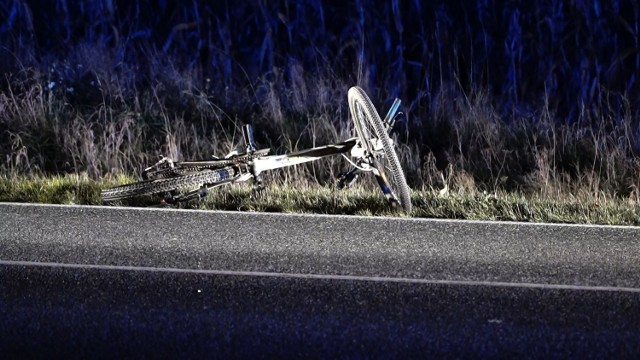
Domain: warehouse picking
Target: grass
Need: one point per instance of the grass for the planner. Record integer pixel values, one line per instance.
(310, 198)
(522, 112)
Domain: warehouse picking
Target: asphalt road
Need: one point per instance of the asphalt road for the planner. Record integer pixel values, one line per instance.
(105, 282)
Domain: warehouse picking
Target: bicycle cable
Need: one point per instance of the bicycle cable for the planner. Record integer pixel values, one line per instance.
(354, 164)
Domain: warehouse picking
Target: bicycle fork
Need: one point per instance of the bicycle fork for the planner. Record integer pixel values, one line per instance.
(347, 179)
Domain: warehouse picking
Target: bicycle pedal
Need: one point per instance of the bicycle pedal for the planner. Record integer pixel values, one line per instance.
(345, 180)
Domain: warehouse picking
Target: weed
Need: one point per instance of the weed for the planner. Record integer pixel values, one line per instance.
(535, 98)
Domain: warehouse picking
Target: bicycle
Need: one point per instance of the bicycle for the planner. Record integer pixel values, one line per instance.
(371, 150)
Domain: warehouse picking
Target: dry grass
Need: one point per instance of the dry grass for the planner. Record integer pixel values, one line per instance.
(529, 113)
(310, 198)
(535, 158)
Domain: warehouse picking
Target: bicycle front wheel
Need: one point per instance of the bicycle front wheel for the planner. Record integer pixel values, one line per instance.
(370, 129)
(149, 187)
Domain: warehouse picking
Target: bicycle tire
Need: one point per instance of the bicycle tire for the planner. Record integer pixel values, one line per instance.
(366, 117)
(149, 187)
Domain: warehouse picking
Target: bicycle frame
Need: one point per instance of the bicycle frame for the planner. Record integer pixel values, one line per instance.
(348, 146)
(250, 164)
(272, 162)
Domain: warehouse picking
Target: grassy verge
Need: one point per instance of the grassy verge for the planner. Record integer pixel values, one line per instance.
(75, 189)
(179, 81)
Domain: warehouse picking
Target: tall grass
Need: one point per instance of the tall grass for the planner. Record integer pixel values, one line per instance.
(538, 97)
(80, 189)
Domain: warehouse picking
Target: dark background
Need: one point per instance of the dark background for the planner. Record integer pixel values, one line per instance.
(574, 52)
(536, 65)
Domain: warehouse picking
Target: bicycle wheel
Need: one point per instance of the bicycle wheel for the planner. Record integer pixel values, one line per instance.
(369, 127)
(149, 187)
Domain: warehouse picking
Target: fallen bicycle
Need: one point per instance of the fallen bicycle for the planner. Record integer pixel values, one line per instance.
(371, 150)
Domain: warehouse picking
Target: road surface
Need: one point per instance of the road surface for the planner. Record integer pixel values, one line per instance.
(105, 282)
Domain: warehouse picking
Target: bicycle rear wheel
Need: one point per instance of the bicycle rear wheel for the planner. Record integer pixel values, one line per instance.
(149, 187)
(370, 128)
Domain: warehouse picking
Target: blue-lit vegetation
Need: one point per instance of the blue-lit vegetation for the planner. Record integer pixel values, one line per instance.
(535, 96)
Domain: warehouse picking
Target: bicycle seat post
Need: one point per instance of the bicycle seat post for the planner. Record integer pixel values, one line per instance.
(247, 133)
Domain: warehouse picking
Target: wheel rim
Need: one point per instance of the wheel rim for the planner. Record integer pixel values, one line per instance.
(364, 128)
